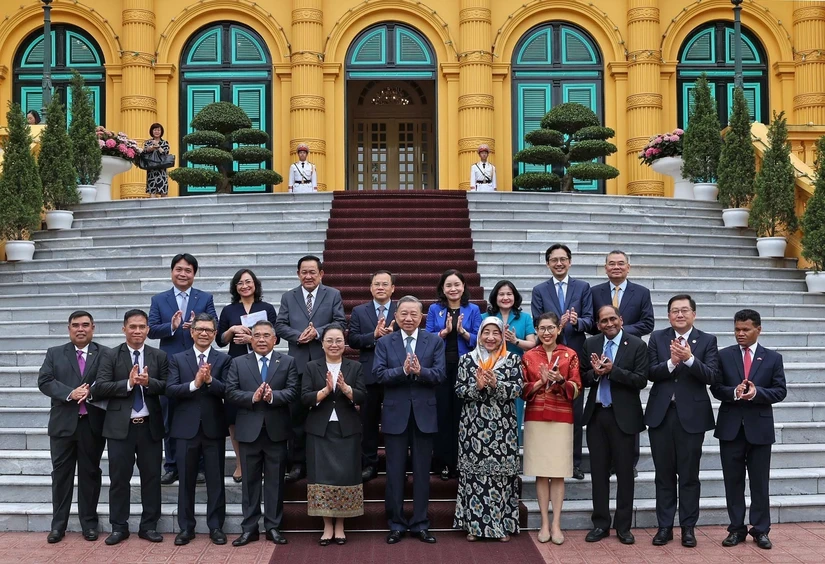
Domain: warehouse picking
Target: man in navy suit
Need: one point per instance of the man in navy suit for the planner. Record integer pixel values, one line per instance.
(633, 300)
(684, 361)
(410, 364)
(572, 301)
(752, 380)
(368, 323)
(196, 382)
(170, 317)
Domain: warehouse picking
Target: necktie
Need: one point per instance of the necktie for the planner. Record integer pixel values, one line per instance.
(264, 368)
(615, 296)
(309, 304)
(483, 165)
(201, 362)
(81, 363)
(137, 403)
(605, 395)
(302, 164)
(747, 360)
(560, 294)
(381, 310)
(183, 302)
(409, 348)
(682, 341)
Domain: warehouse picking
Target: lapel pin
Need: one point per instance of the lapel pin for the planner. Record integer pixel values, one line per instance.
(625, 343)
(759, 358)
(566, 355)
(693, 341)
(441, 313)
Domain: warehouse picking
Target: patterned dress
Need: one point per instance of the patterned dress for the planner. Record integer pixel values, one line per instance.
(488, 458)
(157, 181)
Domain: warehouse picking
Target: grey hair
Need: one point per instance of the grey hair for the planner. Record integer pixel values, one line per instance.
(410, 300)
(617, 252)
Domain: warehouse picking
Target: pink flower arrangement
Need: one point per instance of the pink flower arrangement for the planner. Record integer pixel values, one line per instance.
(662, 145)
(117, 144)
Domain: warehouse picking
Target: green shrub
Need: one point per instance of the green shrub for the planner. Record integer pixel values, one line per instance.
(250, 154)
(57, 173)
(537, 181)
(222, 117)
(86, 153)
(773, 211)
(210, 138)
(208, 156)
(256, 177)
(737, 163)
(813, 221)
(248, 136)
(21, 191)
(702, 142)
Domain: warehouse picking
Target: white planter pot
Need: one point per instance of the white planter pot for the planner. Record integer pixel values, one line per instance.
(736, 217)
(705, 191)
(672, 166)
(771, 246)
(815, 282)
(59, 219)
(19, 250)
(112, 166)
(88, 193)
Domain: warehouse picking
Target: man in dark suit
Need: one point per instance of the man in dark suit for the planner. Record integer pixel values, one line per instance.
(572, 301)
(75, 426)
(133, 377)
(368, 323)
(170, 317)
(304, 313)
(196, 382)
(684, 361)
(617, 372)
(752, 380)
(409, 364)
(263, 384)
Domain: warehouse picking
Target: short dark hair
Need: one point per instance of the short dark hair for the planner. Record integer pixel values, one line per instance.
(80, 313)
(680, 297)
(549, 316)
(748, 315)
(153, 126)
(265, 323)
(233, 286)
(554, 247)
(34, 114)
(133, 313)
(203, 316)
(439, 290)
(377, 272)
(306, 258)
(492, 303)
(188, 258)
(611, 306)
(334, 326)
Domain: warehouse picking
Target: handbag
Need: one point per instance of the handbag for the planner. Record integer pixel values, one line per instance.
(155, 161)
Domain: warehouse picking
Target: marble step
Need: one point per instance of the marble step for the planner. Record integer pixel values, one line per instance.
(196, 216)
(598, 216)
(676, 284)
(222, 251)
(552, 199)
(622, 230)
(597, 259)
(505, 241)
(644, 271)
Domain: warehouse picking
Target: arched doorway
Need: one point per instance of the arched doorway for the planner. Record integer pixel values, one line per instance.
(391, 90)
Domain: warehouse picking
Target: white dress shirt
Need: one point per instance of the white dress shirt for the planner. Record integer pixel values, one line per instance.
(334, 369)
(141, 363)
(689, 362)
(753, 359)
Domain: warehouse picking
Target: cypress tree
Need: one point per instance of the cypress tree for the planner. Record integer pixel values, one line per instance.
(85, 146)
(57, 172)
(21, 192)
(737, 163)
(773, 211)
(703, 139)
(813, 222)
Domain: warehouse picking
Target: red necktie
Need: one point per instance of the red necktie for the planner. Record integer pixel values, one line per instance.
(747, 361)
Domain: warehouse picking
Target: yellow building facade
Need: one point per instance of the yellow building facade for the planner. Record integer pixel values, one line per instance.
(400, 93)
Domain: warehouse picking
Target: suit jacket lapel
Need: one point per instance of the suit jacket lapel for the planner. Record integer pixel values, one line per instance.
(274, 362)
(756, 362)
(736, 354)
(190, 304)
(400, 349)
(172, 299)
(620, 350)
(320, 294)
(92, 358)
(554, 295)
(193, 361)
(71, 358)
(628, 294)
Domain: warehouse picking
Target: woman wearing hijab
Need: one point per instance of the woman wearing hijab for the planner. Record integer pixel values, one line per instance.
(489, 381)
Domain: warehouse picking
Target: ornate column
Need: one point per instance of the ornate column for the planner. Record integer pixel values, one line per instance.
(475, 101)
(306, 106)
(138, 105)
(644, 100)
(809, 57)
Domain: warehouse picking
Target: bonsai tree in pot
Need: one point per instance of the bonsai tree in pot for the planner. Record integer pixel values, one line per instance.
(21, 192)
(218, 128)
(85, 146)
(773, 212)
(57, 173)
(737, 165)
(813, 225)
(702, 143)
(571, 137)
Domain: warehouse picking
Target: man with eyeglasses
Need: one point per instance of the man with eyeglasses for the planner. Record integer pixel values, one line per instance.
(572, 301)
(684, 361)
(196, 382)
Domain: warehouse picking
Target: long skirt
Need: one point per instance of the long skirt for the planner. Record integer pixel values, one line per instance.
(487, 505)
(334, 474)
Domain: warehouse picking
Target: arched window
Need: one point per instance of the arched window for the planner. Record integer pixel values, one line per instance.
(226, 62)
(72, 48)
(710, 49)
(554, 63)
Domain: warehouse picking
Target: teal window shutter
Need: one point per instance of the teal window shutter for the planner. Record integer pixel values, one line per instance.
(207, 50)
(80, 51)
(535, 102)
(31, 98)
(250, 98)
(245, 49)
(584, 94)
(752, 92)
(198, 97)
(371, 49)
(701, 49)
(575, 49)
(536, 50)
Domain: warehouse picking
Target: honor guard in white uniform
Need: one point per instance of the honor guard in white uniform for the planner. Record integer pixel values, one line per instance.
(302, 177)
(482, 173)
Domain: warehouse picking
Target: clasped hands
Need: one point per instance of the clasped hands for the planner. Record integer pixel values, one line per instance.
(679, 353)
(486, 378)
(601, 364)
(746, 390)
(80, 393)
(204, 375)
(241, 334)
(412, 365)
(264, 392)
(177, 318)
(138, 378)
(309, 334)
(383, 328)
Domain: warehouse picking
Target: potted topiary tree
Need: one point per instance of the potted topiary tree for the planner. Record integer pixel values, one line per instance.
(813, 225)
(57, 173)
(218, 128)
(85, 146)
(702, 143)
(571, 137)
(737, 165)
(772, 212)
(21, 193)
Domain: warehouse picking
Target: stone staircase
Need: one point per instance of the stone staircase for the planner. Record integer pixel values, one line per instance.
(677, 246)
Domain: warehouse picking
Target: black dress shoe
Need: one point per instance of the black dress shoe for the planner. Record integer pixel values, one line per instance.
(169, 478)
(662, 536)
(217, 536)
(577, 473)
(340, 540)
(597, 534)
(625, 537)
(116, 537)
(324, 542)
(184, 537)
(762, 541)
(734, 538)
(275, 536)
(295, 473)
(688, 537)
(246, 538)
(90, 534)
(200, 478)
(394, 537)
(55, 536)
(425, 536)
(368, 473)
(151, 535)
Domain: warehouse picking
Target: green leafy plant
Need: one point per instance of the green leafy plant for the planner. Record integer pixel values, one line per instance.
(57, 172)
(86, 153)
(702, 142)
(737, 163)
(813, 221)
(570, 138)
(218, 128)
(773, 212)
(21, 191)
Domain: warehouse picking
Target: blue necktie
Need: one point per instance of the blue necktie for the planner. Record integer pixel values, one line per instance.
(137, 403)
(264, 367)
(409, 345)
(560, 294)
(605, 395)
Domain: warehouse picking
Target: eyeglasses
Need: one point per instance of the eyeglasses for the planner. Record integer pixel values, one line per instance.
(245, 283)
(206, 330)
(683, 311)
(333, 341)
(546, 329)
(561, 260)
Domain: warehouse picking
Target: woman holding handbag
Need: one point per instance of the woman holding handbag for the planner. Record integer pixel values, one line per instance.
(157, 181)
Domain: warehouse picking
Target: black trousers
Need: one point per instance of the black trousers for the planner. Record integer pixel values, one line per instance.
(370, 420)
(139, 445)
(448, 408)
(262, 457)
(609, 446)
(168, 406)
(578, 412)
(214, 454)
(421, 447)
(676, 453)
(738, 455)
(83, 449)
(298, 439)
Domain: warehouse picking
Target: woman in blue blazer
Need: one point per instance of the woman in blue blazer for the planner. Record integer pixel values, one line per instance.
(456, 320)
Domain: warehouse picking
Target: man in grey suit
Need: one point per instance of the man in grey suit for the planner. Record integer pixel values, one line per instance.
(304, 313)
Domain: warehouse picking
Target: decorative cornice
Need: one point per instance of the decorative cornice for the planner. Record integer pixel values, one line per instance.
(315, 145)
(809, 13)
(483, 101)
(483, 15)
(644, 14)
(645, 188)
(816, 99)
(137, 16)
(470, 144)
(307, 15)
(644, 100)
(306, 102)
(134, 102)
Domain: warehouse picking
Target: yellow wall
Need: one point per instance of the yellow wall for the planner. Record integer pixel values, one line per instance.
(634, 36)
